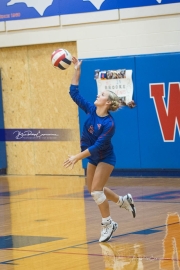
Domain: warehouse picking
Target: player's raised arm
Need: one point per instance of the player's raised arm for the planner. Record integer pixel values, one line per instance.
(77, 66)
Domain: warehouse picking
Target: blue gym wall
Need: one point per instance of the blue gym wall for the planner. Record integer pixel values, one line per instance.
(138, 142)
(3, 161)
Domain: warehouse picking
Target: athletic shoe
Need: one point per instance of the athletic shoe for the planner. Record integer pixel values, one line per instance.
(107, 231)
(115, 225)
(128, 204)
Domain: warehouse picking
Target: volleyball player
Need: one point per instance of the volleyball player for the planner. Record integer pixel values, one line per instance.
(96, 146)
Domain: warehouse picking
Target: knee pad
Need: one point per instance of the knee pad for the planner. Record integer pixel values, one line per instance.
(98, 196)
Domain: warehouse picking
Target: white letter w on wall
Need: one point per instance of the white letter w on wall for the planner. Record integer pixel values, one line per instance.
(168, 116)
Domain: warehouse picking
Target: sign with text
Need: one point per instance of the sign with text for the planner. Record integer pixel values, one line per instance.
(117, 81)
(26, 9)
(37, 135)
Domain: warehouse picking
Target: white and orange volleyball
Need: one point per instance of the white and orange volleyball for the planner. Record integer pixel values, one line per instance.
(61, 59)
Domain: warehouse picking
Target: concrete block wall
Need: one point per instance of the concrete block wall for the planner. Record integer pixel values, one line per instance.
(130, 31)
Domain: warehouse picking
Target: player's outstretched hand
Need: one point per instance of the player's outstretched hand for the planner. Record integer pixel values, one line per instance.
(77, 63)
(70, 162)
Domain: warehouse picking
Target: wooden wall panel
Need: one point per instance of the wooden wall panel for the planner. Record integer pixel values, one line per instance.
(36, 95)
(15, 85)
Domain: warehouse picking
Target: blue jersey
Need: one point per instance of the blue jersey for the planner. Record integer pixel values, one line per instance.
(97, 131)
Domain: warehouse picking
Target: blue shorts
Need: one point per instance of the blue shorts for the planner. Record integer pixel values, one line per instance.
(111, 159)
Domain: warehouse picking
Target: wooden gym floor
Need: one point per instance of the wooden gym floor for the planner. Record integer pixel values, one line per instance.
(52, 223)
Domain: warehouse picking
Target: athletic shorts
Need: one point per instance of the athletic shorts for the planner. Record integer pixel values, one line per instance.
(111, 159)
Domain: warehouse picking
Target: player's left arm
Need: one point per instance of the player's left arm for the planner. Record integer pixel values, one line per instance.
(72, 160)
(104, 139)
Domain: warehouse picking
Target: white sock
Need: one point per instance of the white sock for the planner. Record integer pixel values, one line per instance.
(106, 220)
(120, 201)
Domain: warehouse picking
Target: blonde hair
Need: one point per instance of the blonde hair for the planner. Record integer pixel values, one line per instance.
(115, 101)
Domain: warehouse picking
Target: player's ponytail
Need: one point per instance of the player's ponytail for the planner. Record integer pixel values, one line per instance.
(115, 101)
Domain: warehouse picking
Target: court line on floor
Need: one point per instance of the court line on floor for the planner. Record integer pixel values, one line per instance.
(87, 199)
(147, 258)
(87, 243)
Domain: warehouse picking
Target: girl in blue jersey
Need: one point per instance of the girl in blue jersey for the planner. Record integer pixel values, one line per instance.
(96, 146)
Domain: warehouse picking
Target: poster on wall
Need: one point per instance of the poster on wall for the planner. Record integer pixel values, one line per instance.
(27, 9)
(118, 81)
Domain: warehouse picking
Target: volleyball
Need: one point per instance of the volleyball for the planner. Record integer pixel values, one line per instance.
(61, 59)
